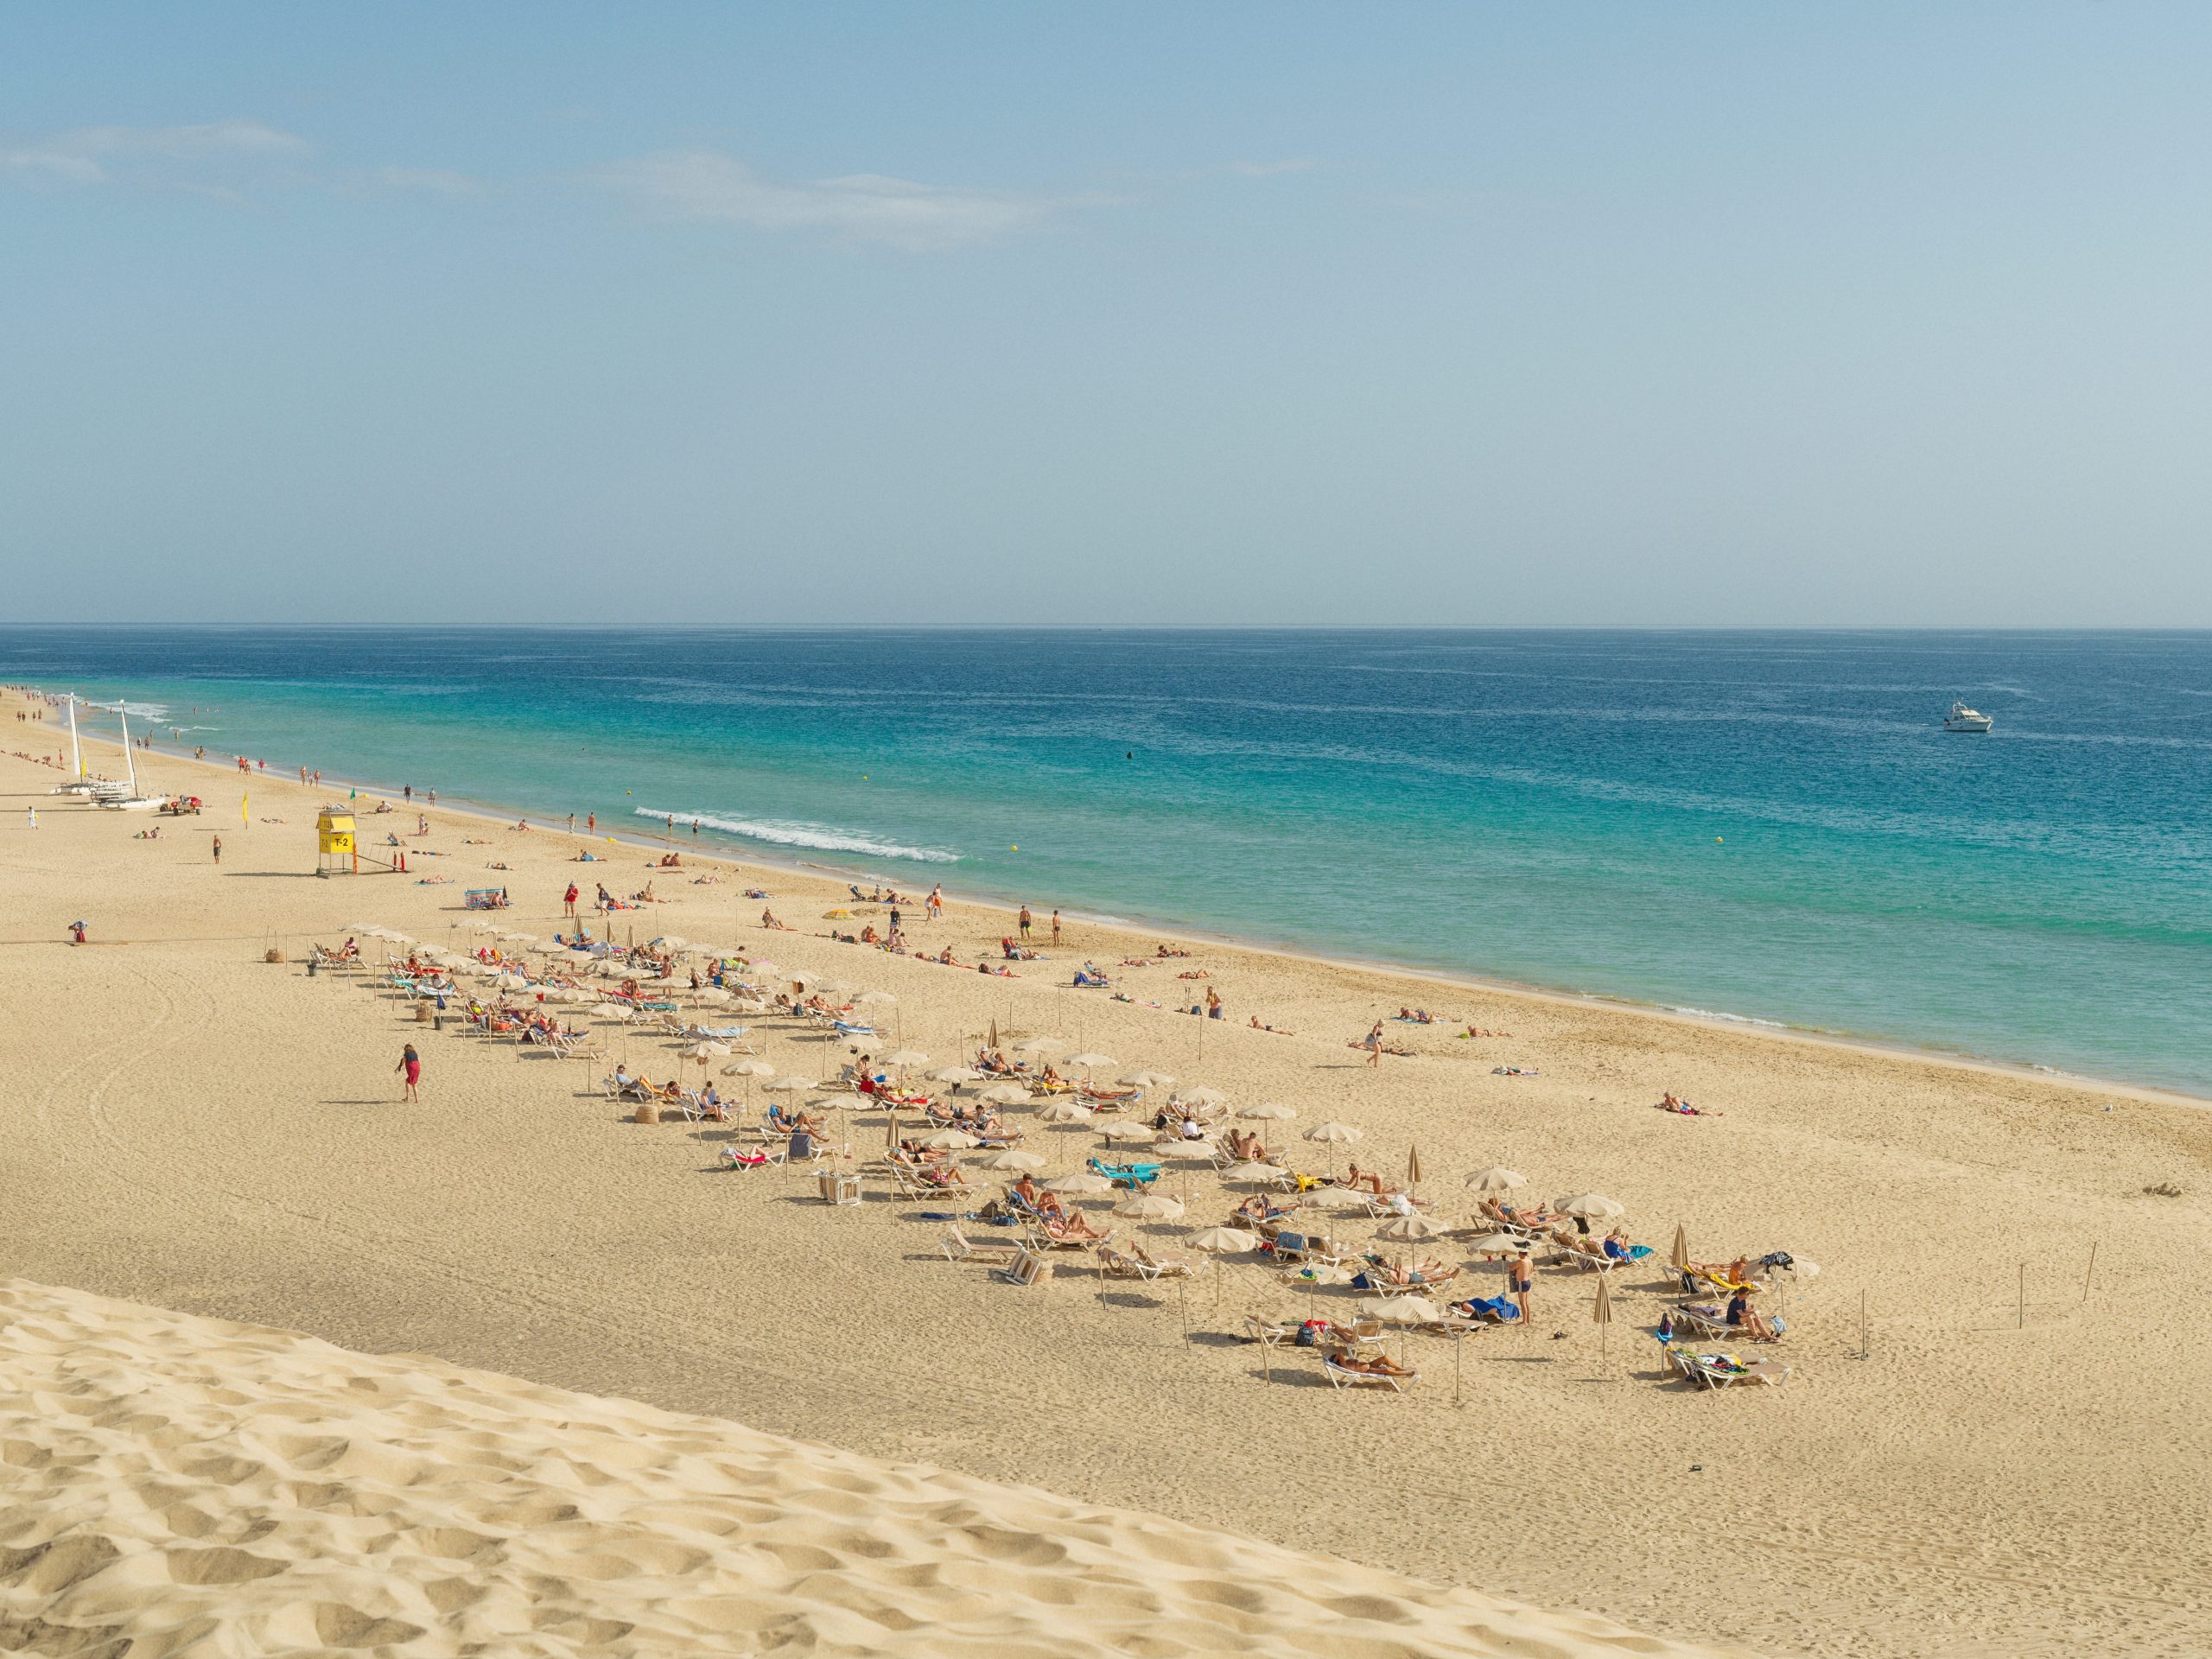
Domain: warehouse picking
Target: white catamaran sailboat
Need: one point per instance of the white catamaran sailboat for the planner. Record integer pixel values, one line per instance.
(124, 797)
(80, 782)
(1963, 719)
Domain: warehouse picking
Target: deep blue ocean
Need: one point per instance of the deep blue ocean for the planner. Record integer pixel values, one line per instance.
(1769, 825)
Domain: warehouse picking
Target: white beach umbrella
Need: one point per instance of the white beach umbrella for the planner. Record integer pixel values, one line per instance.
(1149, 1206)
(1496, 1243)
(906, 1057)
(765, 968)
(1090, 1062)
(1128, 1134)
(1202, 1096)
(715, 994)
(1594, 1206)
(703, 1051)
(956, 1075)
(1270, 1110)
(881, 999)
(1006, 1094)
(1401, 1310)
(1149, 1080)
(1039, 1045)
(1339, 1198)
(1066, 1111)
(1080, 1184)
(793, 1085)
(950, 1141)
(1334, 1135)
(1014, 1158)
(1414, 1226)
(1223, 1240)
(1251, 1170)
(748, 1068)
(1496, 1178)
(803, 982)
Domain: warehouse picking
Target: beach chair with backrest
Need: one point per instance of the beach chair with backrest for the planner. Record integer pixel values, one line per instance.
(1717, 1372)
(959, 1247)
(1341, 1377)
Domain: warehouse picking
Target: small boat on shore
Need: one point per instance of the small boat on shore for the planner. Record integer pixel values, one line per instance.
(1963, 719)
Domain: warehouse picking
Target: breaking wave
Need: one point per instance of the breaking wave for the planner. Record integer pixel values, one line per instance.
(820, 836)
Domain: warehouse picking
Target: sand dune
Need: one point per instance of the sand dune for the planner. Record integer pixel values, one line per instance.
(182, 1485)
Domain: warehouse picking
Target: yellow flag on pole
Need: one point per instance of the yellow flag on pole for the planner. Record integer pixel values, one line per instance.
(242, 799)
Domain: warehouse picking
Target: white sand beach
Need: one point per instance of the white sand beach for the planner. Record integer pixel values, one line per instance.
(2011, 1465)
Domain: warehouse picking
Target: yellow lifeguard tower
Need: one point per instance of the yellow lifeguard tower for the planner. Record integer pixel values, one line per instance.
(334, 851)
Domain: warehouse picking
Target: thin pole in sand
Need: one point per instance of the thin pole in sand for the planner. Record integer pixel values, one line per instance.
(1863, 1350)
(2024, 1296)
(2092, 1273)
(1459, 1347)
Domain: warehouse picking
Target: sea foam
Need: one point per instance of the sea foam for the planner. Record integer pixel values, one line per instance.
(822, 837)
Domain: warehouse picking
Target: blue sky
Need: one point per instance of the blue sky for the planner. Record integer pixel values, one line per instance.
(1282, 313)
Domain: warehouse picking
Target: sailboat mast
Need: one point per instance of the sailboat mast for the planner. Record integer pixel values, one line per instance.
(124, 715)
(76, 754)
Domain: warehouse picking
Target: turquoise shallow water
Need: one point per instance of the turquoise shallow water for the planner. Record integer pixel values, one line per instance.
(1766, 825)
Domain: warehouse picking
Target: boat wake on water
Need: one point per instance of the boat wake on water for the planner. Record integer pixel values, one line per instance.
(822, 837)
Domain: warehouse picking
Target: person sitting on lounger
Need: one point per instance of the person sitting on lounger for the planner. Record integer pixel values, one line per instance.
(1259, 1210)
(1072, 1224)
(1245, 1145)
(1743, 1317)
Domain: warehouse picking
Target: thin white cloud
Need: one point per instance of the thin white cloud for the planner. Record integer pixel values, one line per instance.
(93, 155)
(706, 184)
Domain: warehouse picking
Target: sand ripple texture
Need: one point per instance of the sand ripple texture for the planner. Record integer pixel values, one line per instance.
(175, 1485)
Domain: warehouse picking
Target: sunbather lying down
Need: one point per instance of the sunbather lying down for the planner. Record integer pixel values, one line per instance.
(1491, 1310)
(1349, 1359)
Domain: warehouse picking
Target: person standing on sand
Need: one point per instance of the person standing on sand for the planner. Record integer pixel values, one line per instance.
(1520, 1276)
(591, 822)
(568, 900)
(34, 817)
(1374, 1046)
(411, 1063)
(1213, 1003)
(935, 904)
(1025, 920)
(1056, 924)
(219, 849)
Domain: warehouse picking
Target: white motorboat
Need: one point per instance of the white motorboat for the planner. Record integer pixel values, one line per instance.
(1963, 719)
